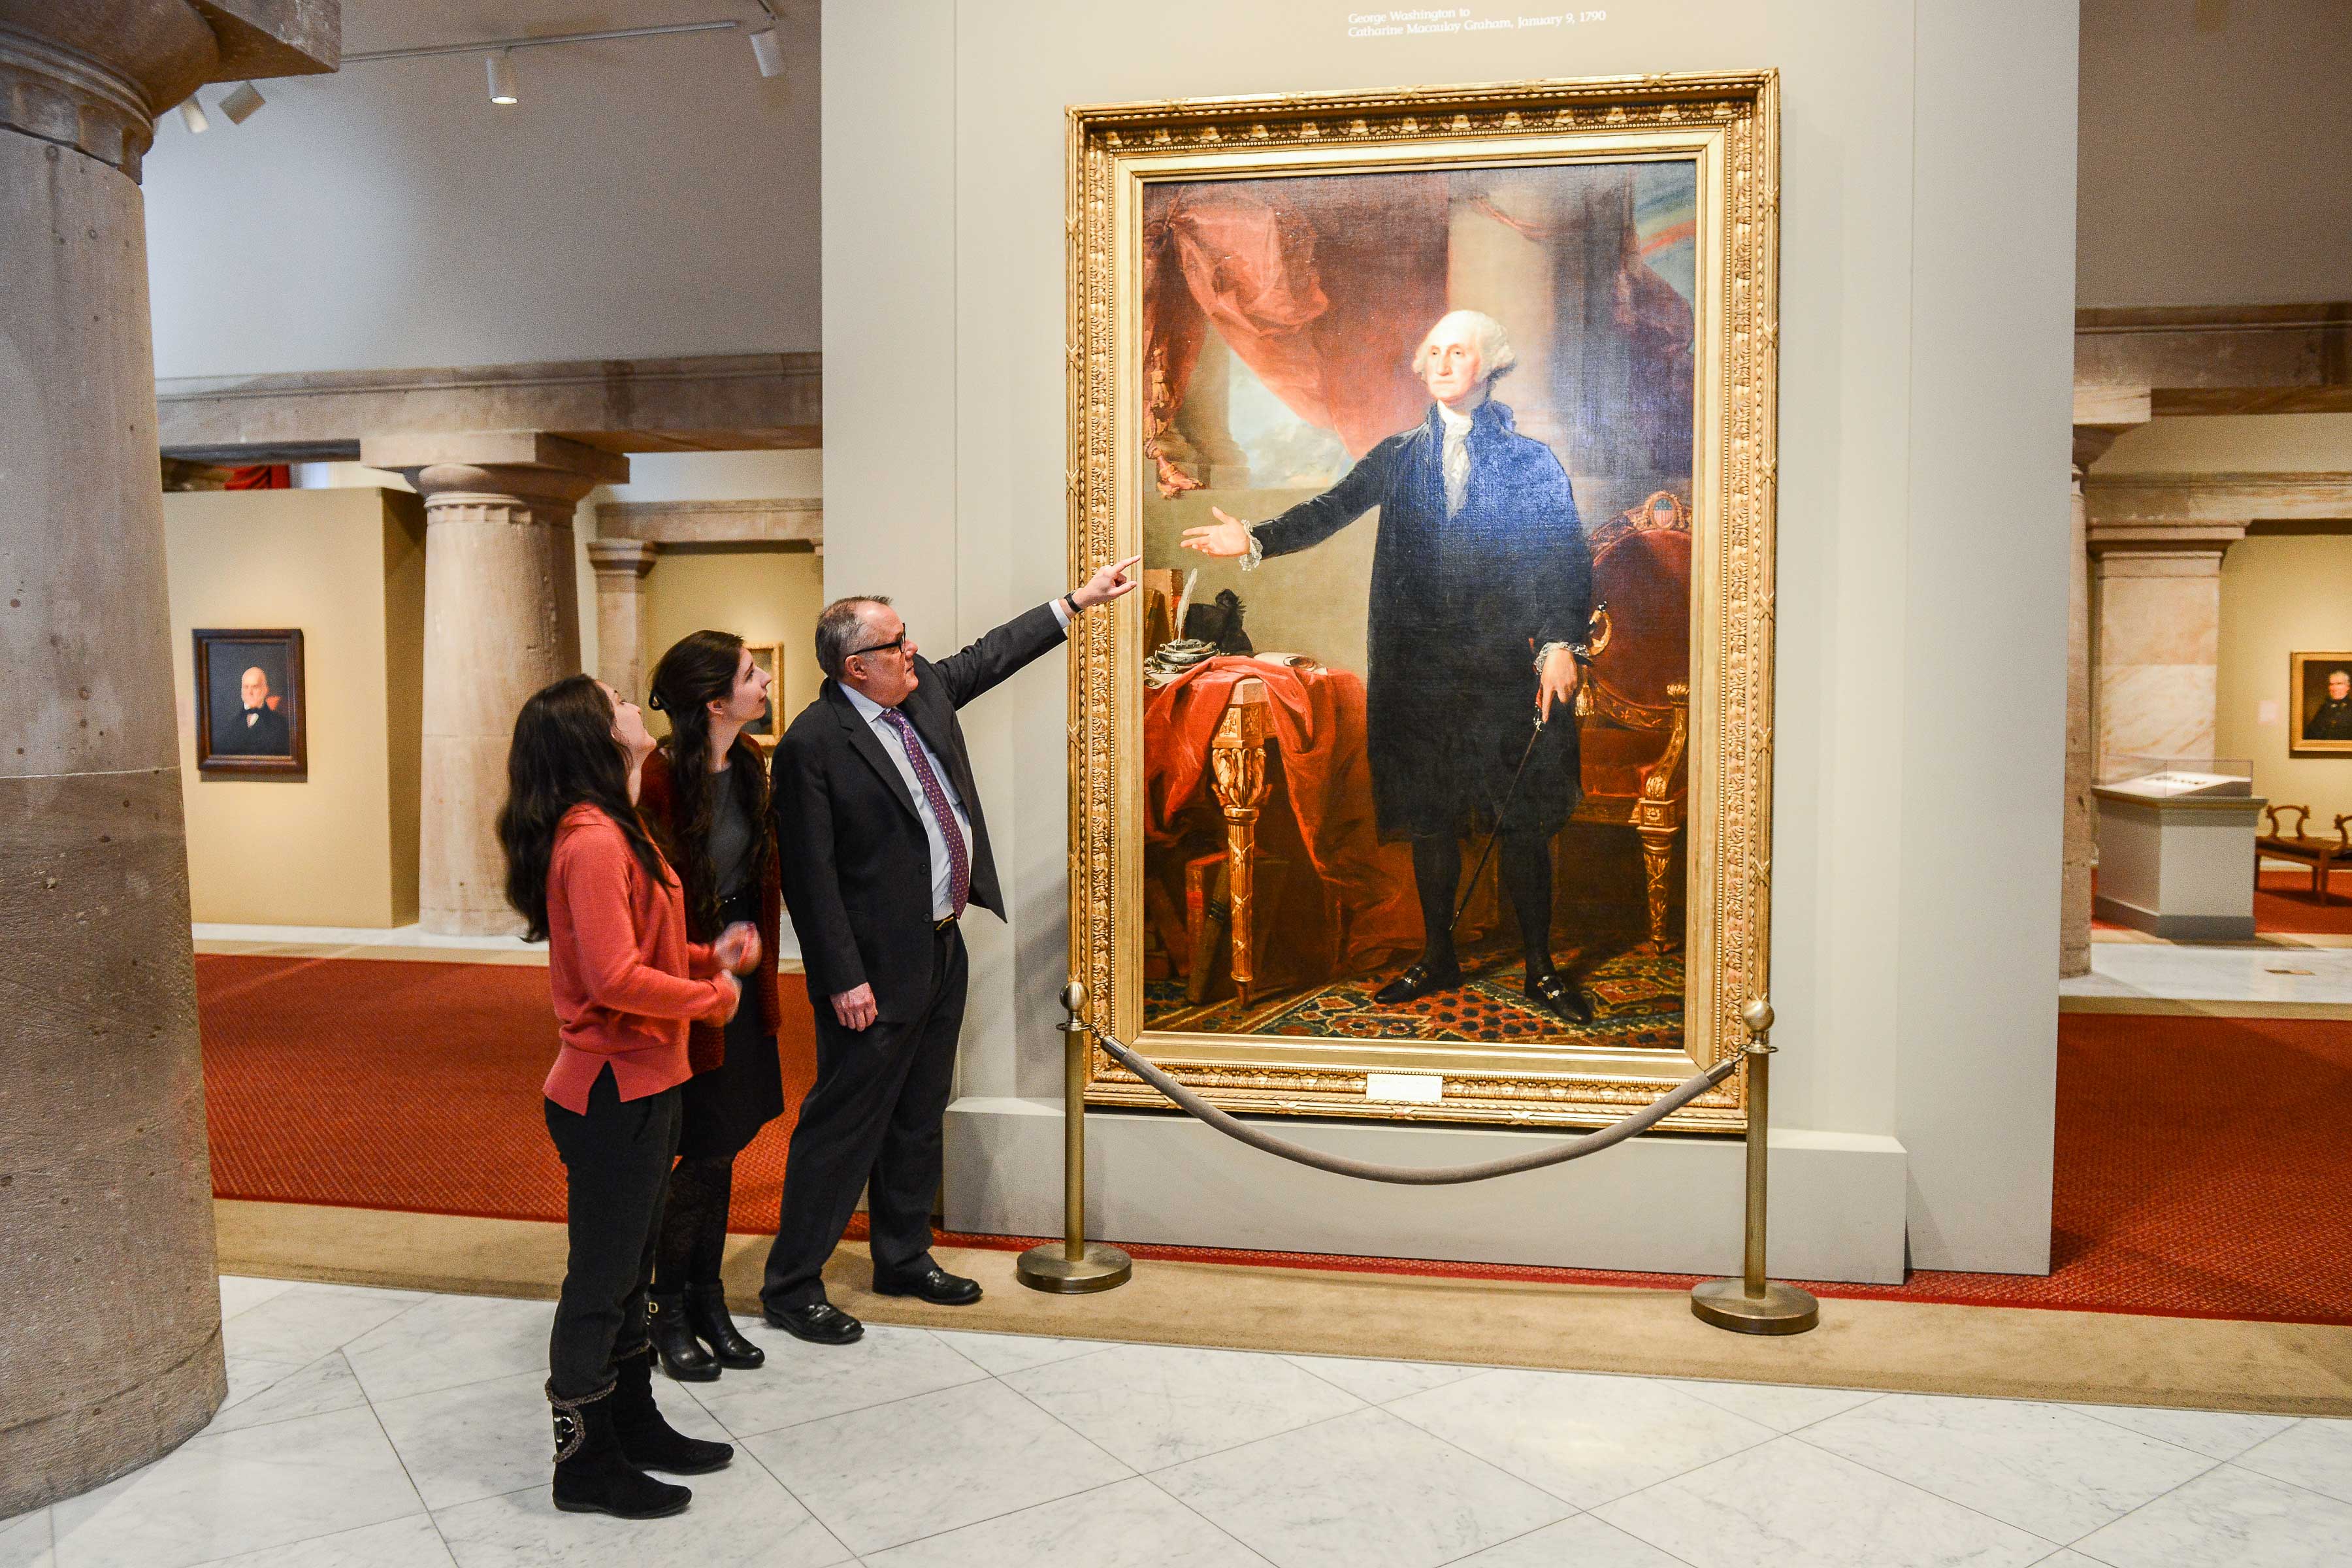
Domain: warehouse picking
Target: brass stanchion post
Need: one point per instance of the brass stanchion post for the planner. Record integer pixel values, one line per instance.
(1753, 1304)
(1073, 1265)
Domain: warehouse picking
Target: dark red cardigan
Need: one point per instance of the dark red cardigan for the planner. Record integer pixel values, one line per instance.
(706, 1044)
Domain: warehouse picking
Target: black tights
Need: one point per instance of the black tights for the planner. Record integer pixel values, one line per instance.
(1523, 860)
(693, 1239)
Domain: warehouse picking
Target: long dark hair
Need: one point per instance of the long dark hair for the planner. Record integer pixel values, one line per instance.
(563, 754)
(700, 670)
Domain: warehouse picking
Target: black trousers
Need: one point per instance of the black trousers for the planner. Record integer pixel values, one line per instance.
(617, 1167)
(873, 1119)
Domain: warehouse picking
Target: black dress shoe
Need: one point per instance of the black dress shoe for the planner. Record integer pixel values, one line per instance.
(819, 1322)
(1550, 989)
(934, 1285)
(1419, 979)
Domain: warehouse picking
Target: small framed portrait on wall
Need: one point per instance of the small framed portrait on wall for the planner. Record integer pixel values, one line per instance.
(770, 657)
(2319, 697)
(251, 707)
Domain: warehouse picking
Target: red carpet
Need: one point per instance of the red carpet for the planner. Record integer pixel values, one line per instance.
(2198, 1167)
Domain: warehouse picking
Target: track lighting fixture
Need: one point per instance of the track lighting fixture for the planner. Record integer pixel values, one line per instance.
(240, 104)
(191, 115)
(502, 77)
(769, 50)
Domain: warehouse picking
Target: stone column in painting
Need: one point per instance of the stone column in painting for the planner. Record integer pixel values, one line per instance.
(621, 566)
(501, 620)
(110, 1312)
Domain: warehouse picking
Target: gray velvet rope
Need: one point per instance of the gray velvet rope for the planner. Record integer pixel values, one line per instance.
(1616, 1133)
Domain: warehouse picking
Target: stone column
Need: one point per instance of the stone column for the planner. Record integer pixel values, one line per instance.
(2101, 416)
(2082, 828)
(109, 1314)
(2158, 651)
(501, 620)
(621, 566)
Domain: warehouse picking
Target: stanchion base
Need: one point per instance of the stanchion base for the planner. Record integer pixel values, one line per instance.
(1782, 1310)
(1051, 1267)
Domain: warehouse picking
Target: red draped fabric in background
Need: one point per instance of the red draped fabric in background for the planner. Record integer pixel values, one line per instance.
(1317, 719)
(1260, 261)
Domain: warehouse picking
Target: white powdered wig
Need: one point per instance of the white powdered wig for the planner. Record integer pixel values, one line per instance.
(1485, 334)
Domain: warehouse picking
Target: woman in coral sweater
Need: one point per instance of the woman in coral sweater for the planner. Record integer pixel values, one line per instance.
(585, 876)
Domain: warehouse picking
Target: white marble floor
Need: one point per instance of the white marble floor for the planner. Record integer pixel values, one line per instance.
(388, 1429)
(2282, 971)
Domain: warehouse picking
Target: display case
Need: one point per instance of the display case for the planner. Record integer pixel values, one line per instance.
(2177, 847)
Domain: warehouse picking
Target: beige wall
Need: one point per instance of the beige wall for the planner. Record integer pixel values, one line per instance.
(1928, 289)
(2239, 443)
(2212, 166)
(760, 592)
(347, 567)
(2282, 593)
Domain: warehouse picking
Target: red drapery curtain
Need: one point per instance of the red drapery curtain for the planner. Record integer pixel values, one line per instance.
(1322, 287)
(260, 477)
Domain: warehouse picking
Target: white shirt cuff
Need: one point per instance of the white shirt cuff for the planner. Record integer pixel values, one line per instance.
(1062, 613)
(1256, 556)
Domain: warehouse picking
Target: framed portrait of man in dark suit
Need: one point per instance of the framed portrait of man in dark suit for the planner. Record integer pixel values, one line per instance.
(2319, 687)
(251, 707)
(1428, 778)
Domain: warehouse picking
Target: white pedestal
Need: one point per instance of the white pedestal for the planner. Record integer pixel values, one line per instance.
(2181, 868)
(1666, 1204)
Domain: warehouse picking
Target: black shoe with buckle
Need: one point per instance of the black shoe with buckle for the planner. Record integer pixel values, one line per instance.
(1552, 991)
(819, 1322)
(934, 1285)
(1420, 978)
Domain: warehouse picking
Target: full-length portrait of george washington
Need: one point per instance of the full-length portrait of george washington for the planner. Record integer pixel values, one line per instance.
(1481, 598)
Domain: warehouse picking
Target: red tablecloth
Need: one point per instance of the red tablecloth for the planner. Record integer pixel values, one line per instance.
(1317, 719)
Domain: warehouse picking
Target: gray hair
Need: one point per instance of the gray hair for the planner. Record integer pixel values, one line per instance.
(839, 627)
(1494, 344)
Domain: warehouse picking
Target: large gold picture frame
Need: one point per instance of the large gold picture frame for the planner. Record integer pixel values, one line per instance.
(1725, 124)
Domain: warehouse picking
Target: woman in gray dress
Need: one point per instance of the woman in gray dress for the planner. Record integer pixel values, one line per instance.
(705, 793)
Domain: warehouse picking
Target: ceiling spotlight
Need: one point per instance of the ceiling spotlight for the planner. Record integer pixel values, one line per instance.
(239, 105)
(502, 77)
(769, 50)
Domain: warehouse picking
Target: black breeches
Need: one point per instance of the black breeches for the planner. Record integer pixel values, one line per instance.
(1523, 861)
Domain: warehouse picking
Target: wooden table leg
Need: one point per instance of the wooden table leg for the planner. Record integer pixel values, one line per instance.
(1238, 778)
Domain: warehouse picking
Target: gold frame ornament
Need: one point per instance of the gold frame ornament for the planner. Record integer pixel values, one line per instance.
(1727, 125)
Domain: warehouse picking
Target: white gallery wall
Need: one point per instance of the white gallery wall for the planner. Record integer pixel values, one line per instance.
(1925, 354)
(2212, 154)
(647, 197)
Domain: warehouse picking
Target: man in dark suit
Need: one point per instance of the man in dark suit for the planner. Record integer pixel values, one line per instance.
(879, 832)
(260, 731)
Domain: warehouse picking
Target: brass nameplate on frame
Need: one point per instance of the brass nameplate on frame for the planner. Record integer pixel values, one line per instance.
(1443, 422)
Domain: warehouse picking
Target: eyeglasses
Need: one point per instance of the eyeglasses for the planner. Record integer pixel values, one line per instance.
(898, 641)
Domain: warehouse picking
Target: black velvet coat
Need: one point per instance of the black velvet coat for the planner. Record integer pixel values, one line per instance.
(1459, 607)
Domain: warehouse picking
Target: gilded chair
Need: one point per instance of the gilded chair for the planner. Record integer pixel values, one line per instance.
(1633, 707)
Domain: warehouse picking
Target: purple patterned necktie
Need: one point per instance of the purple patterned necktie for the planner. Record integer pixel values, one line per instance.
(959, 864)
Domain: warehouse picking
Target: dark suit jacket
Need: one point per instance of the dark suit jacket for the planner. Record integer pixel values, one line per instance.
(266, 736)
(856, 865)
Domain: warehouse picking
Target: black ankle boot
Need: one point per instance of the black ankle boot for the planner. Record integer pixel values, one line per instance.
(705, 1313)
(592, 1474)
(649, 1442)
(682, 1355)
